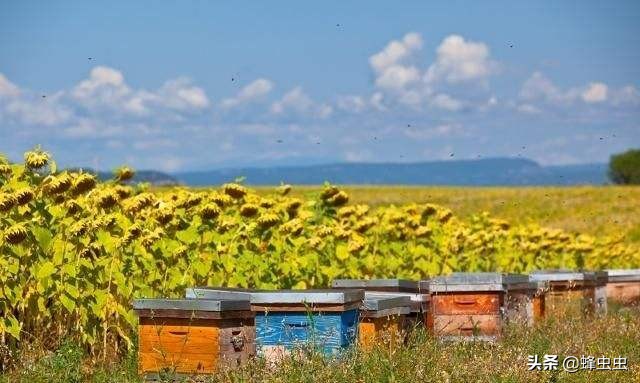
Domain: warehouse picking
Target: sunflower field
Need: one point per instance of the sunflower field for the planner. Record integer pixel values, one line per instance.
(75, 252)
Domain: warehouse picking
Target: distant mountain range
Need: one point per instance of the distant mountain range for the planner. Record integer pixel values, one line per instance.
(481, 172)
(152, 176)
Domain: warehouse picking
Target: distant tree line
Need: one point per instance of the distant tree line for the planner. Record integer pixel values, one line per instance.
(624, 168)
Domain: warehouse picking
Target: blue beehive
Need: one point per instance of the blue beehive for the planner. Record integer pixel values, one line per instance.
(286, 320)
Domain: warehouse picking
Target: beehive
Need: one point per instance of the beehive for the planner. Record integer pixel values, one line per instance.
(189, 336)
(325, 320)
(569, 293)
(539, 300)
(419, 305)
(476, 305)
(623, 286)
(391, 285)
(382, 320)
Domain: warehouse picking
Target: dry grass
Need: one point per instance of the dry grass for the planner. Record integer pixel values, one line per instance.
(423, 359)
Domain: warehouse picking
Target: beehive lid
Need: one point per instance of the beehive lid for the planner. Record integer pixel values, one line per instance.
(397, 284)
(378, 303)
(218, 293)
(413, 297)
(478, 282)
(321, 296)
(624, 275)
(560, 275)
(599, 276)
(192, 304)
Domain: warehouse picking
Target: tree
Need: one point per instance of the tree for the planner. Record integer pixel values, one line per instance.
(624, 168)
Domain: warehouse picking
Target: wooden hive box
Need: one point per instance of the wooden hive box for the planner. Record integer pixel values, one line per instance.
(476, 305)
(382, 320)
(419, 307)
(191, 336)
(623, 286)
(539, 300)
(569, 293)
(286, 320)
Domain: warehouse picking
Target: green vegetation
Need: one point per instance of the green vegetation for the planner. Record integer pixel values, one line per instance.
(423, 359)
(624, 168)
(75, 252)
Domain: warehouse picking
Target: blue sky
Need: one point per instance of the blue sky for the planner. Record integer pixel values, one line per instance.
(198, 84)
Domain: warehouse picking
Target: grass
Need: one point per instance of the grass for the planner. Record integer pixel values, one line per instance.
(595, 210)
(423, 359)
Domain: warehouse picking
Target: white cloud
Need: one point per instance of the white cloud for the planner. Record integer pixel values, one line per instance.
(595, 92)
(387, 64)
(106, 89)
(459, 60)
(446, 102)
(377, 101)
(395, 52)
(7, 88)
(539, 88)
(38, 111)
(182, 95)
(398, 77)
(355, 104)
(298, 101)
(253, 91)
(528, 109)
(627, 95)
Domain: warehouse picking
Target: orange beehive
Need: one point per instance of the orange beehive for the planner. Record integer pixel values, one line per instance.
(382, 320)
(569, 293)
(623, 286)
(477, 305)
(193, 336)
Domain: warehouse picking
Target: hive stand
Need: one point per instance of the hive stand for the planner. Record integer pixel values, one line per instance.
(569, 293)
(289, 320)
(475, 306)
(382, 320)
(188, 336)
(623, 286)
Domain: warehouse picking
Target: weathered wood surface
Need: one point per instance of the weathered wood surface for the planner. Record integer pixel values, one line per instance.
(387, 331)
(626, 293)
(538, 307)
(297, 307)
(518, 307)
(187, 314)
(467, 325)
(194, 346)
(575, 302)
(466, 303)
(327, 331)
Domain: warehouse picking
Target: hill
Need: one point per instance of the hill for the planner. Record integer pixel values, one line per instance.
(481, 172)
